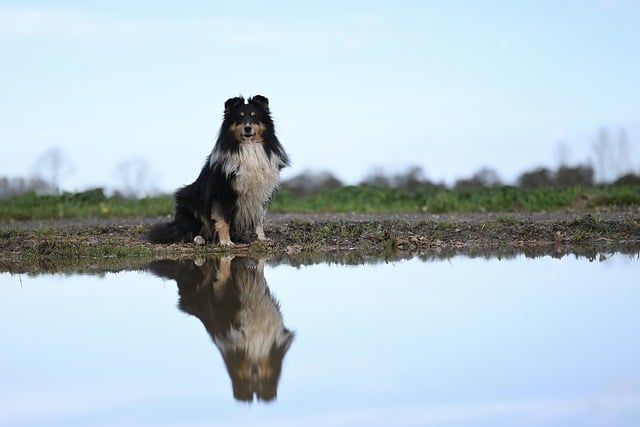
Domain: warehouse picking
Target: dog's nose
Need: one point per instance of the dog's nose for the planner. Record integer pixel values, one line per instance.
(247, 129)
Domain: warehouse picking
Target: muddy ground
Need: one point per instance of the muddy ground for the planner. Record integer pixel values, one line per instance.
(347, 238)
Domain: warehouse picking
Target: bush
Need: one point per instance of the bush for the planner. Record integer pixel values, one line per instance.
(538, 178)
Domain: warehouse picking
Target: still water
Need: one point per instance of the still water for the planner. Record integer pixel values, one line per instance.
(456, 342)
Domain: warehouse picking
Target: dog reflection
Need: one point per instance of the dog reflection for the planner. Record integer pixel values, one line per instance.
(231, 297)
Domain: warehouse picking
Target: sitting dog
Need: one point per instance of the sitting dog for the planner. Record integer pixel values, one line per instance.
(228, 201)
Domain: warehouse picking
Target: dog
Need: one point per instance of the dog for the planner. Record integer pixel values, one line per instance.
(228, 201)
(231, 298)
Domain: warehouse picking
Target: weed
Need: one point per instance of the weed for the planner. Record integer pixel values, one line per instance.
(507, 220)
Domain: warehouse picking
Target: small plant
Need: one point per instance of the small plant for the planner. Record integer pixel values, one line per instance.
(507, 220)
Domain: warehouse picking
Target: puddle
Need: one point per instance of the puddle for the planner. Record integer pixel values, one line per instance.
(458, 341)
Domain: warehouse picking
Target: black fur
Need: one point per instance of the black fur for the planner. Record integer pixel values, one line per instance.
(222, 187)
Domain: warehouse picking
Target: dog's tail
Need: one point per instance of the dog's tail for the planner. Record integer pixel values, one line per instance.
(167, 232)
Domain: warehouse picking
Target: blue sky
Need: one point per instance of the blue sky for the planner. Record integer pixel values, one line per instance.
(447, 86)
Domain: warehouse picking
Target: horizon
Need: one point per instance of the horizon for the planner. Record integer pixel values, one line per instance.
(311, 181)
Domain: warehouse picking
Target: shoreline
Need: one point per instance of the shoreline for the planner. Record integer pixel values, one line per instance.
(308, 238)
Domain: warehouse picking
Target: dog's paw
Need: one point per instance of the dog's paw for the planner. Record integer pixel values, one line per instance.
(227, 243)
(199, 240)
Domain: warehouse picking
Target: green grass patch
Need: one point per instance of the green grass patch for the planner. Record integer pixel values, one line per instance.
(349, 199)
(92, 203)
(366, 199)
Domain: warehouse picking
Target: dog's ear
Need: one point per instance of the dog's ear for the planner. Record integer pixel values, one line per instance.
(283, 341)
(262, 101)
(232, 103)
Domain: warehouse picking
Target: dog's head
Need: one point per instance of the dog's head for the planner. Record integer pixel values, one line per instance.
(258, 374)
(248, 121)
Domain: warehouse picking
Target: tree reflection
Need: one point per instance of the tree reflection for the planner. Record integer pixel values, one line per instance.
(231, 298)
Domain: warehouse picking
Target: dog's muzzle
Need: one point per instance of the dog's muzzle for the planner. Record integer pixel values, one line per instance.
(247, 131)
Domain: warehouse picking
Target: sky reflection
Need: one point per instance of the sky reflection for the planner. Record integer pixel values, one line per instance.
(458, 342)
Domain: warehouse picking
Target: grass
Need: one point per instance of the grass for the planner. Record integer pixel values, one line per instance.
(92, 203)
(51, 242)
(365, 199)
(349, 199)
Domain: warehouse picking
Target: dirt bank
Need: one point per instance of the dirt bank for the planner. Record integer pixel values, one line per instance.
(348, 238)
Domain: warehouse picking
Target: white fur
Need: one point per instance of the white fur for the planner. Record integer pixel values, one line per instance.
(256, 178)
(259, 322)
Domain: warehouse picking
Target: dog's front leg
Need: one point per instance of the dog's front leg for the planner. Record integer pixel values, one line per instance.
(260, 224)
(260, 232)
(222, 276)
(223, 229)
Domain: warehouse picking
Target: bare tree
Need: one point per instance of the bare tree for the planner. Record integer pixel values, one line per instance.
(485, 177)
(377, 178)
(623, 161)
(52, 166)
(10, 187)
(135, 178)
(410, 180)
(537, 178)
(563, 153)
(567, 176)
(309, 183)
(612, 158)
(601, 152)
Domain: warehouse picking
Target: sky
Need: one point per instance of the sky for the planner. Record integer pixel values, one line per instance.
(354, 86)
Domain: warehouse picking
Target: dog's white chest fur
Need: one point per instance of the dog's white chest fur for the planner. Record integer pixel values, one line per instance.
(256, 178)
(259, 324)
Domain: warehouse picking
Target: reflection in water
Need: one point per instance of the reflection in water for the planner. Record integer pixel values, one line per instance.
(462, 342)
(231, 297)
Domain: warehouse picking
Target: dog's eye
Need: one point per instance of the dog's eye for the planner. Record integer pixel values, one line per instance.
(242, 114)
(253, 115)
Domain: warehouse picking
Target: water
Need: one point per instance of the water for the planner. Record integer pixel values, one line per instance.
(457, 342)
